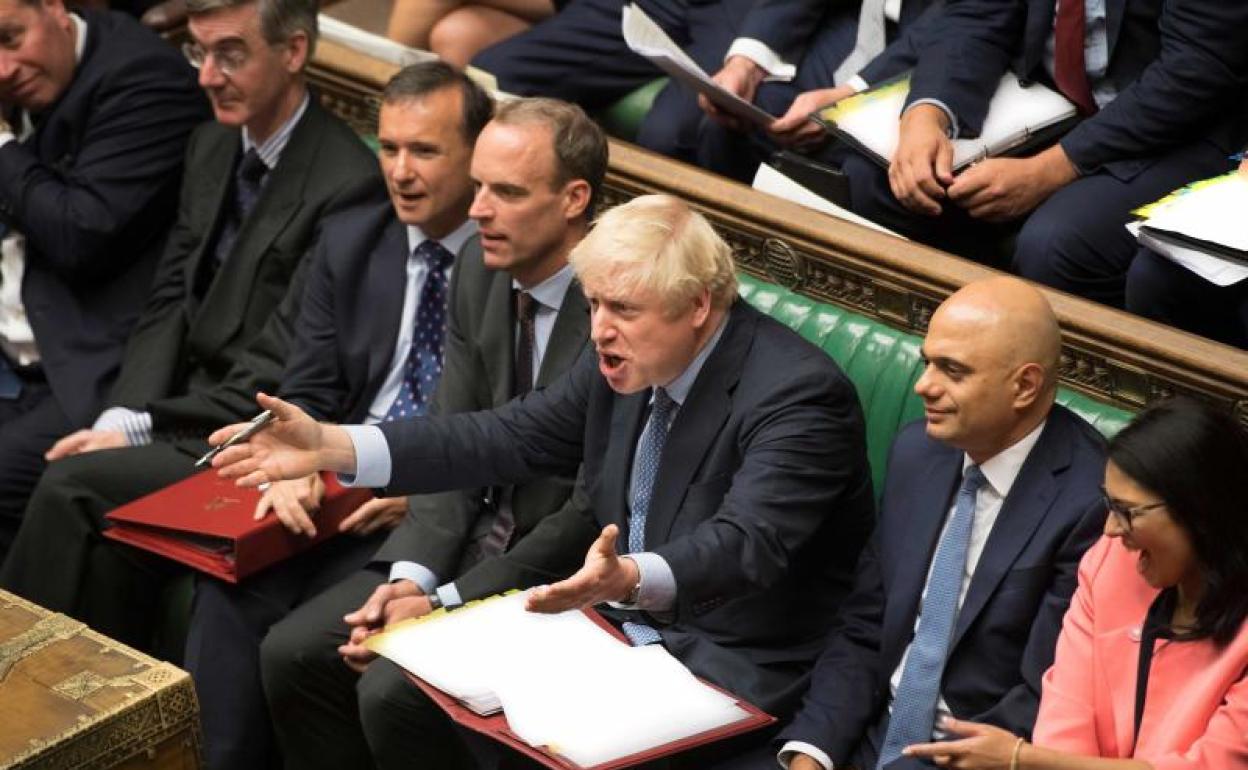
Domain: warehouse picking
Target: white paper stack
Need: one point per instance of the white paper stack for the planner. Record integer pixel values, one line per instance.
(646, 38)
(1017, 117)
(1201, 227)
(562, 681)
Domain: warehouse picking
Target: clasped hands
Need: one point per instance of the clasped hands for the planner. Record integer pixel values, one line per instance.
(996, 190)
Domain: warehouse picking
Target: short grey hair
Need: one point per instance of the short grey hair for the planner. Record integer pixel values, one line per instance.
(580, 146)
(280, 20)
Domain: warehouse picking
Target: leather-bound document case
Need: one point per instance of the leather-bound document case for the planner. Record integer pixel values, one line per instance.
(207, 523)
(542, 693)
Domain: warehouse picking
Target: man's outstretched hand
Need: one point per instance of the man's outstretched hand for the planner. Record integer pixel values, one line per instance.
(606, 577)
(293, 445)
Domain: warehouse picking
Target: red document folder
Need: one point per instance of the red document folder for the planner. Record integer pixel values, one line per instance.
(495, 725)
(206, 522)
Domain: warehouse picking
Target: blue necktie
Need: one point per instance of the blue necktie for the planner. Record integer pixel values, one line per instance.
(914, 705)
(649, 455)
(424, 359)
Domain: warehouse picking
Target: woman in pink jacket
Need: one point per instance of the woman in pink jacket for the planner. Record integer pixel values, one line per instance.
(1152, 664)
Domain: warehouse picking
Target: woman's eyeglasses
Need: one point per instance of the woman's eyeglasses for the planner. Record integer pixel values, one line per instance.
(1126, 514)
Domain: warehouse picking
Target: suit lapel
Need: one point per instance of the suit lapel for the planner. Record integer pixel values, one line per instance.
(222, 311)
(695, 428)
(214, 192)
(1115, 12)
(1022, 512)
(386, 283)
(498, 340)
(567, 338)
(933, 490)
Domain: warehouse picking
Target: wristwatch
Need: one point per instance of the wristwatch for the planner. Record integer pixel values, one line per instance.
(435, 601)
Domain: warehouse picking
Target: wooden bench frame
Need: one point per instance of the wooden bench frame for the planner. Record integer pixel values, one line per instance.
(1108, 354)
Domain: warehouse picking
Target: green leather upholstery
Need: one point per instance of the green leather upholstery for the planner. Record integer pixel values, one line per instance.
(623, 118)
(883, 364)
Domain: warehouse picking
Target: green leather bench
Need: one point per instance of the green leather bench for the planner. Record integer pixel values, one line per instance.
(883, 364)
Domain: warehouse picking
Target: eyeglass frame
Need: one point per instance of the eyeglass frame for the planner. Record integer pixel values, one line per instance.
(197, 55)
(1127, 514)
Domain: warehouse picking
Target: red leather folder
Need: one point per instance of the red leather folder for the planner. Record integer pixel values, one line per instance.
(495, 725)
(206, 522)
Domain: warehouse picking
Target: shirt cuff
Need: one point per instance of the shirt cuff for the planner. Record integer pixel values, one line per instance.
(952, 133)
(135, 426)
(417, 573)
(858, 84)
(449, 595)
(6, 137)
(777, 69)
(801, 747)
(656, 584)
(372, 457)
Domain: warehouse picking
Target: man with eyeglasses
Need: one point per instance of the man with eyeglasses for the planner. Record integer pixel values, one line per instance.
(988, 505)
(259, 180)
(94, 116)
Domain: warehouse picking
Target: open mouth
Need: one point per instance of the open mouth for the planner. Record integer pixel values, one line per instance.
(610, 361)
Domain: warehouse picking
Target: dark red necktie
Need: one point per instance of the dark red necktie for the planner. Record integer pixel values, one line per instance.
(1069, 70)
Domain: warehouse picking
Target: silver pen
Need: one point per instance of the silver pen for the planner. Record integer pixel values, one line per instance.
(257, 423)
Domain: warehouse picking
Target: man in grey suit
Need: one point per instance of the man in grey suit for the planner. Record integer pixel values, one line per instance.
(517, 321)
(366, 345)
(258, 182)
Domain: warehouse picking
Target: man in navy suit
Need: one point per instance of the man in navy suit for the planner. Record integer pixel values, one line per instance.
(723, 459)
(925, 635)
(1161, 87)
(579, 55)
(96, 114)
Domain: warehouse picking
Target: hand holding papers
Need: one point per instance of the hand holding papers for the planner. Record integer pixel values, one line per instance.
(1201, 227)
(548, 681)
(1019, 119)
(648, 40)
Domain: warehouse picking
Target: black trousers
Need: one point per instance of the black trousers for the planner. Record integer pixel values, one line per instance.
(61, 560)
(29, 425)
(1159, 289)
(227, 625)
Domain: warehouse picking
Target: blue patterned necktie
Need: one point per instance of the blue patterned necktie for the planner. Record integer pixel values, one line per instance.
(914, 705)
(424, 359)
(649, 456)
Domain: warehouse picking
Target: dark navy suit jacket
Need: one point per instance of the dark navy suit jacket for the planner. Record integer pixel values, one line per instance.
(94, 190)
(1180, 69)
(1007, 628)
(761, 505)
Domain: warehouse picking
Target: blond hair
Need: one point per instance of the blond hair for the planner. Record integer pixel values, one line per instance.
(657, 243)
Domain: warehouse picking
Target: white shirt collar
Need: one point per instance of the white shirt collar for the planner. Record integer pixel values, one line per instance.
(453, 242)
(80, 38)
(550, 292)
(1001, 470)
(270, 151)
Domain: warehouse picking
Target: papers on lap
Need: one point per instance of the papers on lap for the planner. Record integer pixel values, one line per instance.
(1201, 227)
(1019, 120)
(648, 40)
(564, 684)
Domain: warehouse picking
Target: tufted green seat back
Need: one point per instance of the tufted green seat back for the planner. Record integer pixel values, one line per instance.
(883, 363)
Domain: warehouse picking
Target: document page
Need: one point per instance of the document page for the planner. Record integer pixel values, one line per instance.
(647, 39)
(562, 681)
(872, 119)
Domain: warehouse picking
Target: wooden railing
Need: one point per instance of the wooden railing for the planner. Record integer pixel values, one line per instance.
(1108, 354)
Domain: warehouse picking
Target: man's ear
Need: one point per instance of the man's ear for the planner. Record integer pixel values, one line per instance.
(576, 195)
(1029, 382)
(296, 52)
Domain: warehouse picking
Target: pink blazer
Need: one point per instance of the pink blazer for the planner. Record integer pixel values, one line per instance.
(1196, 708)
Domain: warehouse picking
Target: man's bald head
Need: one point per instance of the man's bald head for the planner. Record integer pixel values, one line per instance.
(992, 351)
(1014, 318)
